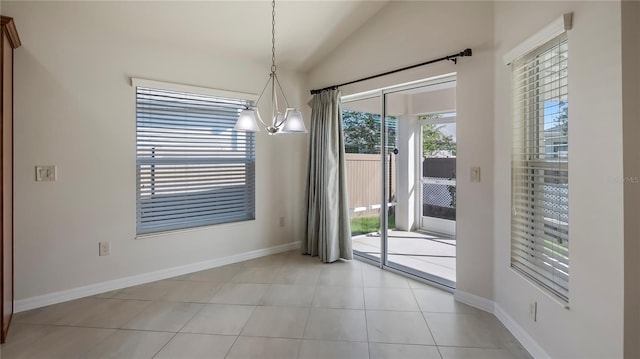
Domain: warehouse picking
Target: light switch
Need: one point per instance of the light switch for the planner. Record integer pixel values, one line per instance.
(475, 174)
(46, 173)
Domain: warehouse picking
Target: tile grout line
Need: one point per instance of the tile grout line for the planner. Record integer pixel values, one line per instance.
(232, 344)
(204, 305)
(252, 313)
(300, 340)
(308, 315)
(165, 344)
(178, 331)
(315, 289)
(364, 307)
(425, 320)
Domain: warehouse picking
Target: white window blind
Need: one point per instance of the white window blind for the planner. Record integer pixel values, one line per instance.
(192, 168)
(540, 193)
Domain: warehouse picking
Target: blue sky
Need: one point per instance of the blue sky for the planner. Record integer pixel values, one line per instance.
(552, 110)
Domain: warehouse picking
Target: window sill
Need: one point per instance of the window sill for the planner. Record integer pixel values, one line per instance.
(187, 230)
(561, 302)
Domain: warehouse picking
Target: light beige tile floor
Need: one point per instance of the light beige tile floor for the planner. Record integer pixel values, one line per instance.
(280, 306)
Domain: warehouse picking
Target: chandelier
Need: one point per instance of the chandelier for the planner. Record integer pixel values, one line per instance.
(289, 121)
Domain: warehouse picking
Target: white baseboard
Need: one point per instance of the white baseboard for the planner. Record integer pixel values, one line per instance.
(523, 337)
(491, 307)
(474, 301)
(97, 288)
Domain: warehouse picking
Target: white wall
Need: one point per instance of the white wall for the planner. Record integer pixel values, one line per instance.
(406, 33)
(593, 326)
(75, 108)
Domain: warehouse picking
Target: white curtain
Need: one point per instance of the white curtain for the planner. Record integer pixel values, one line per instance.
(328, 228)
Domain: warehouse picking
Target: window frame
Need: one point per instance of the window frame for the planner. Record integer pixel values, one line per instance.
(534, 255)
(186, 160)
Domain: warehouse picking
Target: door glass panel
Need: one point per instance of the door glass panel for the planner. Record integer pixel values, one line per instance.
(363, 161)
(439, 195)
(422, 240)
(401, 172)
(439, 168)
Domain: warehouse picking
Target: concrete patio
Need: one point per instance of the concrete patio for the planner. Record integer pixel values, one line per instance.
(425, 252)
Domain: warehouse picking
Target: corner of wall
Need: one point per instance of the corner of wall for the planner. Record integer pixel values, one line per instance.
(520, 333)
(516, 330)
(631, 125)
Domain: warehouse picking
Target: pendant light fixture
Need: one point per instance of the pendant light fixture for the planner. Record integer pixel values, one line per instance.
(289, 121)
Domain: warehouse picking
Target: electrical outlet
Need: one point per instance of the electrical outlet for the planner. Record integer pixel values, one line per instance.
(281, 221)
(533, 311)
(104, 248)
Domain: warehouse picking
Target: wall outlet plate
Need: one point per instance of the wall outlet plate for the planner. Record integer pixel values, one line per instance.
(46, 173)
(104, 248)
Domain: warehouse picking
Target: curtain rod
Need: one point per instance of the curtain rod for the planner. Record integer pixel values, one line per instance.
(454, 57)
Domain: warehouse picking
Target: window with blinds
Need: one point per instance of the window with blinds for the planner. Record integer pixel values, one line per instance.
(540, 192)
(192, 168)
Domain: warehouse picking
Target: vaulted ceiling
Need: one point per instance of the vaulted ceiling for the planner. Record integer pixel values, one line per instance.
(306, 31)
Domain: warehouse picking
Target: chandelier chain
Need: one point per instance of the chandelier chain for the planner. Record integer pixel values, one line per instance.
(273, 36)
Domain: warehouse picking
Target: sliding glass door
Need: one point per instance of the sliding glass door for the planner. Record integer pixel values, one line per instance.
(362, 138)
(383, 145)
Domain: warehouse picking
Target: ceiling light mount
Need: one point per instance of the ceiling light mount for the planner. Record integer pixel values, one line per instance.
(288, 121)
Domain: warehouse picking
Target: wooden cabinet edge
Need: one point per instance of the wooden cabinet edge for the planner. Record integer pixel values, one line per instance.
(12, 32)
(9, 30)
